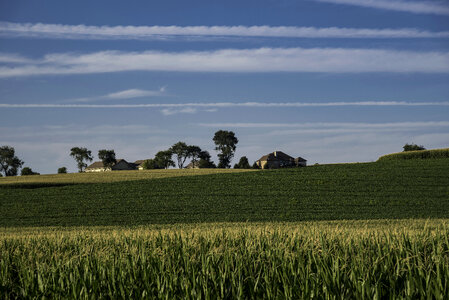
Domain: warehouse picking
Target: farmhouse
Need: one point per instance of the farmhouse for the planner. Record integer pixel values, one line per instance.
(192, 165)
(279, 159)
(138, 164)
(121, 164)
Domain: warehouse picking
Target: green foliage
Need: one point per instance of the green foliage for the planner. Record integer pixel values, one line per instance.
(243, 163)
(194, 153)
(81, 155)
(181, 152)
(255, 166)
(164, 160)
(225, 142)
(413, 147)
(421, 154)
(394, 189)
(150, 164)
(339, 260)
(28, 171)
(62, 170)
(205, 162)
(107, 157)
(9, 162)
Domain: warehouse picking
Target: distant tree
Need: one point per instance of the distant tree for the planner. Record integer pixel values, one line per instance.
(413, 147)
(194, 153)
(243, 163)
(181, 152)
(255, 165)
(27, 171)
(150, 164)
(225, 142)
(205, 162)
(107, 157)
(9, 162)
(62, 170)
(164, 159)
(80, 155)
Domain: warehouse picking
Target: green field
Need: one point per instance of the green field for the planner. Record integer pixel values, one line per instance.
(325, 260)
(343, 231)
(381, 190)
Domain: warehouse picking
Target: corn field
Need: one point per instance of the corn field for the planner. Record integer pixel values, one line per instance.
(321, 260)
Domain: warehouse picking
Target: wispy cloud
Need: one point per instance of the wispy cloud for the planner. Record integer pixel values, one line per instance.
(126, 94)
(213, 106)
(328, 60)
(60, 31)
(330, 127)
(172, 111)
(416, 7)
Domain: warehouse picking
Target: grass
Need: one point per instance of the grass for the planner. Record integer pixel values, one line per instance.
(420, 154)
(109, 177)
(326, 260)
(381, 190)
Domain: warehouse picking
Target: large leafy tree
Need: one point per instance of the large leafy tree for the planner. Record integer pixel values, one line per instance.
(225, 143)
(9, 162)
(150, 164)
(181, 152)
(243, 163)
(107, 157)
(194, 153)
(205, 162)
(81, 155)
(164, 159)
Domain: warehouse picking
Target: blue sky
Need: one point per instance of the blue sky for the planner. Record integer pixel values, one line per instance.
(328, 80)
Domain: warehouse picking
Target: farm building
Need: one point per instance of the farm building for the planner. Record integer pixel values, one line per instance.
(121, 164)
(192, 165)
(279, 159)
(139, 164)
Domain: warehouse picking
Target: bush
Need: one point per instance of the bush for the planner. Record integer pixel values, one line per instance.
(420, 154)
(62, 170)
(413, 147)
(27, 171)
(150, 164)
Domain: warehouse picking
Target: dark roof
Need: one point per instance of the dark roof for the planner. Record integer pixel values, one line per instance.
(276, 155)
(139, 162)
(99, 164)
(300, 159)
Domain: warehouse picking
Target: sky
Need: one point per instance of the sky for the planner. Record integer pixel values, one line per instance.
(331, 81)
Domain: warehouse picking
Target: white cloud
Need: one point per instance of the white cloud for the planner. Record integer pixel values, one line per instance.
(332, 125)
(171, 111)
(423, 7)
(328, 60)
(61, 31)
(126, 94)
(213, 106)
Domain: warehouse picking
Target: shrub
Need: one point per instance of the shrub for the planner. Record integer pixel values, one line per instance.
(62, 170)
(28, 171)
(413, 147)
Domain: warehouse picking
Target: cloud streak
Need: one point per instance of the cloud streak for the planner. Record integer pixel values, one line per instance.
(211, 106)
(321, 60)
(125, 94)
(60, 31)
(427, 7)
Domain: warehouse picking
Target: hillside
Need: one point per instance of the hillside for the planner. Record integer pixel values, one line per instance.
(419, 154)
(381, 190)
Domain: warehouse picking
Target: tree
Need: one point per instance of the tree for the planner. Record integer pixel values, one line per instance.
(107, 157)
(243, 163)
(255, 165)
(150, 164)
(80, 155)
(27, 171)
(181, 152)
(205, 162)
(164, 159)
(194, 153)
(413, 147)
(62, 170)
(9, 162)
(225, 142)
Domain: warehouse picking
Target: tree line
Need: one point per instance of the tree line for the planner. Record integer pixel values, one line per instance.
(225, 144)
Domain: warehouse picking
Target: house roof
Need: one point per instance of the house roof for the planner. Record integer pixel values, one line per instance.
(99, 164)
(276, 155)
(300, 159)
(139, 162)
